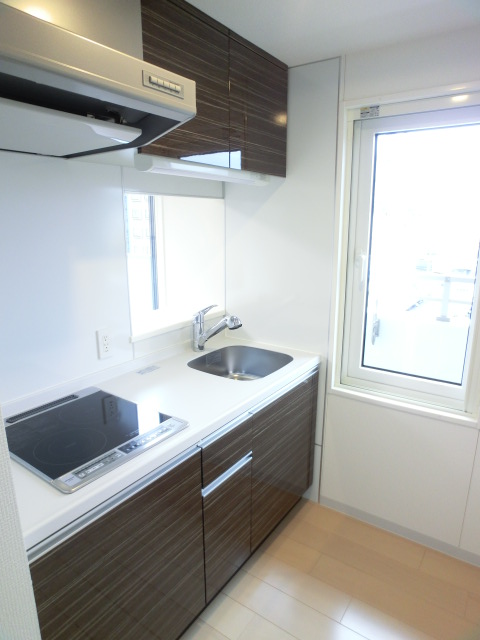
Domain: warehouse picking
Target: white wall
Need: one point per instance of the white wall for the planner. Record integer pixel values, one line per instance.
(398, 467)
(413, 67)
(63, 269)
(18, 618)
(403, 470)
(279, 237)
(62, 248)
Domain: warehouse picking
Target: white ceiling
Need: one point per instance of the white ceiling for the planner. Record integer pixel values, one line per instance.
(302, 31)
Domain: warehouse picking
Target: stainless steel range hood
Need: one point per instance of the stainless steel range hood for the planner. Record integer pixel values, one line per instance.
(64, 95)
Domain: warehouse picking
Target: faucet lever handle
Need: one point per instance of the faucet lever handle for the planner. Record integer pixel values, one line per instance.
(200, 314)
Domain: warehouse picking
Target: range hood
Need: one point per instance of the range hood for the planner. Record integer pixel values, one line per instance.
(64, 95)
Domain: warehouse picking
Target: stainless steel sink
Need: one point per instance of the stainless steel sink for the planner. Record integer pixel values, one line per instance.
(240, 363)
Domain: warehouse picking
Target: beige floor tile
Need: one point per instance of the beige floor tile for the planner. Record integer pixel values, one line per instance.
(376, 625)
(294, 553)
(473, 609)
(399, 549)
(393, 601)
(227, 616)
(286, 612)
(202, 631)
(323, 517)
(323, 575)
(306, 533)
(329, 521)
(337, 574)
(412, 610)
(299, 585)
(437, 591)
(261, 629)
(450, 569)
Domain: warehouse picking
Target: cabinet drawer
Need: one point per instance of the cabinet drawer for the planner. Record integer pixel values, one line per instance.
(224, 448)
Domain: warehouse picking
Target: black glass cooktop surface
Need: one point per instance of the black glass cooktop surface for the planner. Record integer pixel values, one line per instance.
(76, 439)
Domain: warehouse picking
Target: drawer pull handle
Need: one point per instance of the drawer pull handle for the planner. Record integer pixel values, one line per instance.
(227, 475)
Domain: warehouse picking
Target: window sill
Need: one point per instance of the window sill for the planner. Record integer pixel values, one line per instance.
(461, 418)
(181, 324)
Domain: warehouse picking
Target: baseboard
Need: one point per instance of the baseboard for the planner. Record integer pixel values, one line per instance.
(404, 532)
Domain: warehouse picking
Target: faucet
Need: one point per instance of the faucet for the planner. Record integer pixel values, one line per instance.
(200, 336)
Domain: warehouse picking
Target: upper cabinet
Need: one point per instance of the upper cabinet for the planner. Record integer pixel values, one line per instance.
(196, 48)
(258, 108)
(241, 119)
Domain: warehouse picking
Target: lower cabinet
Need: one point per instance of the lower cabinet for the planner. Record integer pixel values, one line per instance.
(136, 573)
(283, 444)
(146, 568)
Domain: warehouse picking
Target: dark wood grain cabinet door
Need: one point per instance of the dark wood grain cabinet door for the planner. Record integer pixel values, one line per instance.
(283, 441)
(241, 119)
(227, 488)
(185, 41)
(136, 573)
(258, 109)
(227, 522)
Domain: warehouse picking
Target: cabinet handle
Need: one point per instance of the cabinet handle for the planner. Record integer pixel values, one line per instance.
(233, 424)
(227, 475)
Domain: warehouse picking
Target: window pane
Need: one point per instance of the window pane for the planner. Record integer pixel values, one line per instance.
(175, 258)
(424, 242)
(194, 249)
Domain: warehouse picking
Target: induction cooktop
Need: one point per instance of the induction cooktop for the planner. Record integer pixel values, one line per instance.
(76, 439)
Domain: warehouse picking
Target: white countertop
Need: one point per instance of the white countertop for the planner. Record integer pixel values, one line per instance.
(206, 401)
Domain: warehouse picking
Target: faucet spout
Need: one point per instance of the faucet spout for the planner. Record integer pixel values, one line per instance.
(200, 336)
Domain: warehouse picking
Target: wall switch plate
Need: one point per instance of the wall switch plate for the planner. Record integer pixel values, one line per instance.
(104, 343)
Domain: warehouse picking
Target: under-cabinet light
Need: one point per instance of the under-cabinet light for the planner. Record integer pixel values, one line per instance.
(170, 166)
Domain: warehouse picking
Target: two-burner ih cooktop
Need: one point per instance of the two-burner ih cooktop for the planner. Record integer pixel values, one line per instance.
(76, 439)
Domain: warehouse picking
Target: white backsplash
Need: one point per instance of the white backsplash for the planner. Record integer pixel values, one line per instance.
(63, 271)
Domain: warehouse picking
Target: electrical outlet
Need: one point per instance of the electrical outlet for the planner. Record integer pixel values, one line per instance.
(104, 343)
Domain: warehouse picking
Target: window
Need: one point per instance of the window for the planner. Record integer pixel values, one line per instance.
(413, 251)
(175, 258)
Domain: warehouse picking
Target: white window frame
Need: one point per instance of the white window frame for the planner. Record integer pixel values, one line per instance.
(388, 386)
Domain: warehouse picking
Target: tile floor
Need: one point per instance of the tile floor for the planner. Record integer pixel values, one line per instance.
(325, 576)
